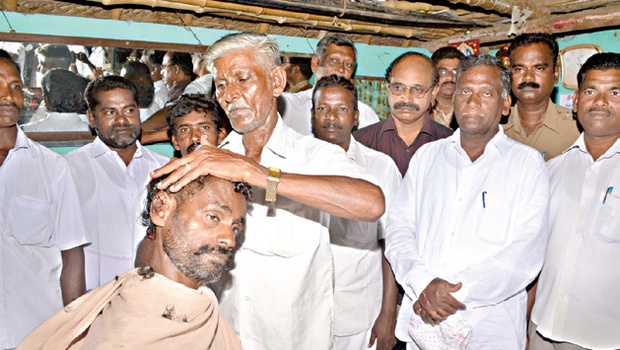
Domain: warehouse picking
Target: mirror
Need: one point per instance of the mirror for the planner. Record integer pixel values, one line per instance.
(109, 55)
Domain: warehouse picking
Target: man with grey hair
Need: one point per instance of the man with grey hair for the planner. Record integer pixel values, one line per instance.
(335, 54)
(466, 231)
(280, 294)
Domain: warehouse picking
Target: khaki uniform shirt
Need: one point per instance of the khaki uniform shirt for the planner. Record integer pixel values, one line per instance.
(557, 132)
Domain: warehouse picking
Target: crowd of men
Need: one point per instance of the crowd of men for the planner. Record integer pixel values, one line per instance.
(290, 220)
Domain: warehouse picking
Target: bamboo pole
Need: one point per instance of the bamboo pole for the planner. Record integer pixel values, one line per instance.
(304, 20)
(187, 19)
(250, 6)
(505, 7)
(263, 28)
(413, 6)
(580, 6)
(10, 5)
(561, 24)
(116, 13)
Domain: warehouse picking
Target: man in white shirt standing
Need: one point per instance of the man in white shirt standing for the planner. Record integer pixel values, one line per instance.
(281, 292)
(42, 228)
(355, 244)
(577, 302)
(467, 229)
(335, 54)
(153, 59)
(110, 174)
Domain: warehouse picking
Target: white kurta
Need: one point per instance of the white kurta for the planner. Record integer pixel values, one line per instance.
(483, 224)
(40, 216)
(357, 253)
(280, 295)
(578, 295)
(108, 190)
(59, 122)
(296, 112)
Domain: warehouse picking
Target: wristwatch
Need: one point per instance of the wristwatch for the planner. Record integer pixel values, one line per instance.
(273, 178)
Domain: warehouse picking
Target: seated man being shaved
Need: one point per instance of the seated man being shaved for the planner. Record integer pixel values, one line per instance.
(165, 304)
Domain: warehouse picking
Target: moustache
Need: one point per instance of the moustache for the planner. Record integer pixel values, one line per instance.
(450, 82)
(236, 105)
(600, 109)
(194, 146)
(10, 105)
(527, 84)
(119, 125)
(206, 249)
(400, 105)
(331, 125)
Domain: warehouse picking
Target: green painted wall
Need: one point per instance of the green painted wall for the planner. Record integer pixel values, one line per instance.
(608, 40)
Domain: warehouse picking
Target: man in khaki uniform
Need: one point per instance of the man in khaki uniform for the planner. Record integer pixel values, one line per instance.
(535, 120)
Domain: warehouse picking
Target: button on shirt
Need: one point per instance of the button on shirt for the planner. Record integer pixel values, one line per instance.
(41, 216)
(281, 292)
(556, 133)
(482, 223)
(383, 137)
(577, 299)
(296, 110)
(356, 250)
(108, 190)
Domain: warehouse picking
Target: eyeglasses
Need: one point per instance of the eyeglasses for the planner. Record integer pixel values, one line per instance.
(417, 91)
(444, 72)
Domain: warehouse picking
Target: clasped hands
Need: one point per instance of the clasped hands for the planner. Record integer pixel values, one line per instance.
(436, 303)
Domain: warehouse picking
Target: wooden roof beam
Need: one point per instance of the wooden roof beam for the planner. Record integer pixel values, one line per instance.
(561, 24)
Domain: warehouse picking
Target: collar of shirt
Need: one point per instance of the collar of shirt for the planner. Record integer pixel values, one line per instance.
(99, 148)
(277, 143)
(354, 153)
(548, 121)
(389, 125)
(580, 145)
(494, 145)
(21, 141)
(301, 84)
(441, 117)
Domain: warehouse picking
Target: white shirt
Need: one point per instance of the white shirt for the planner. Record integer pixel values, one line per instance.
(357, 253)
(108, 190)
(59, 122)
(201, 85)
(82, 68)
(281, 292)
(40, 216)
(577, 299)
(161, 94)
(296, 111)
(483, 224)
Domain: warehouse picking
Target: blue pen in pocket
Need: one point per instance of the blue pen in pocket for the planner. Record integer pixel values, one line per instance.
(608, 193)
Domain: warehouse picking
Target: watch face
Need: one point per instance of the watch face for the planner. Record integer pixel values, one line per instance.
(573, 57)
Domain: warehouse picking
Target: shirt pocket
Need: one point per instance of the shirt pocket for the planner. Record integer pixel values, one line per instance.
(607, 220)
(284, 235)
(494, 219)
(31, 220)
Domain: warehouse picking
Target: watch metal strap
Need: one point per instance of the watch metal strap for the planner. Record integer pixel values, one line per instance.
(273, 178)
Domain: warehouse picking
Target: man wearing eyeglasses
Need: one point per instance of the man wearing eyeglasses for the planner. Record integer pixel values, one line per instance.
(412, 82)
(177, 71)
(446, 59)
(335, 54)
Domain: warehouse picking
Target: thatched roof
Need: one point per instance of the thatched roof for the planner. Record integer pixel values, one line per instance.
(428, 24)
